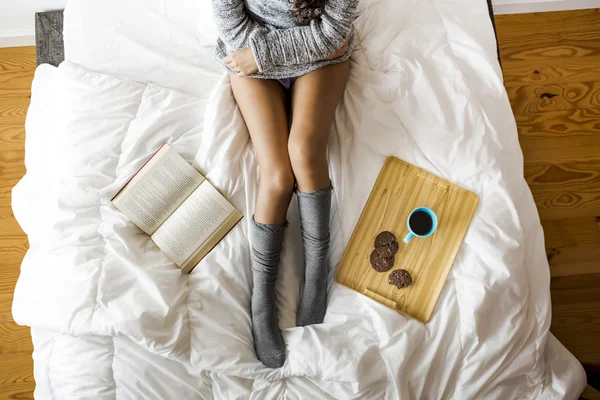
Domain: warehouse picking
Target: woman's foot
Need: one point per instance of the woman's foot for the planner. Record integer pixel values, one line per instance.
(268, 342)
(266, 250)
(313, 302)
(314, 223)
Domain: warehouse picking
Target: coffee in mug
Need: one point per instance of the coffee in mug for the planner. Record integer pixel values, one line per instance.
(421, 222)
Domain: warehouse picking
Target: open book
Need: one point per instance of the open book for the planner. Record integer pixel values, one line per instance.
(171, 201)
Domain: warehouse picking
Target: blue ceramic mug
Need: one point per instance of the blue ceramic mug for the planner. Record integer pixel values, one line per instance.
(421, 222)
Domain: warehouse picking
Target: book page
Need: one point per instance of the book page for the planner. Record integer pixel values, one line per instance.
(193, 223)
(211, 242)
(158, 189)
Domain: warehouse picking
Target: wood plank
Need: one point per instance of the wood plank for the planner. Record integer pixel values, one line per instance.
(550, 46)
(573, 283)
(6, 300)
(10, 226)
(590, 393)
(16, 76)
(17, 58)
(556, 70)
(561, 204)
(574, 260)
(559, 136)
(15, 338)
(12, 135)
(13, 83)
(6, 214)
(521, 26)
(572, 122)
(571, 232)
(7, 219)
(400, 188)
(548, 35)
(576, 314)
(561, 148)
(10, 158)
(535, 98)
(544, 176)
(15, 108)
(13, 245)
(9, 273)
(565, 190)
(12, 165)
(10, 177)
(16, 376)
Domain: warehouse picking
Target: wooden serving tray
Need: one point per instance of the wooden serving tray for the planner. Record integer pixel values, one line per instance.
(399, 189)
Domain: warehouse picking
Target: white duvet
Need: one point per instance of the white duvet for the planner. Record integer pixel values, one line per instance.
(112, 317)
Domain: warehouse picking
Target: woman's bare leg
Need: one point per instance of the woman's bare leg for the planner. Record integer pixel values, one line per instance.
(315, 97)
(263, 106)
(262, 103)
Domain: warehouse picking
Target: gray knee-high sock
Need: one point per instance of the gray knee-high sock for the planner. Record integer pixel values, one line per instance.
(266, 249)
(314, 223)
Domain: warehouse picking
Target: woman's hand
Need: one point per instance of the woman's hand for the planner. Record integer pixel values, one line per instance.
(339, 52)
(242, 62)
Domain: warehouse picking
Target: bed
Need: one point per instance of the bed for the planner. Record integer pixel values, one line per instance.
(112, 317)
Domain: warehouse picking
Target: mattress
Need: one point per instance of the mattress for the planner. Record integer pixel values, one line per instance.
(112, 317)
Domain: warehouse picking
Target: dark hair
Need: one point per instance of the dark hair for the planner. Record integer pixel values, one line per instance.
(306, 10)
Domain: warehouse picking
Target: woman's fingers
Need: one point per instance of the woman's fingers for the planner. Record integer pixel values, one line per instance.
(241, 62)
(342, 49)
(231, 64)
(339, 52)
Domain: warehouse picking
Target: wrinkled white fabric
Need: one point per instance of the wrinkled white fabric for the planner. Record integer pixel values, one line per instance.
(112, 315)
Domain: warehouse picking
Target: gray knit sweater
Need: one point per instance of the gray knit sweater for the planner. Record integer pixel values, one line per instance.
(283, 48)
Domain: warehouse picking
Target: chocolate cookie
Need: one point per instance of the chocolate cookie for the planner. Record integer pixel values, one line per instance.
(388, 250)
(400, 278)
(385, 238)
(379, 263)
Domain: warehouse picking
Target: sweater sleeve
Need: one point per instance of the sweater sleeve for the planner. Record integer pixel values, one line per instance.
(306, 44)
(233, 23)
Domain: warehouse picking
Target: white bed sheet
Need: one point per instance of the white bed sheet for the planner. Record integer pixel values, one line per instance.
(426, 70)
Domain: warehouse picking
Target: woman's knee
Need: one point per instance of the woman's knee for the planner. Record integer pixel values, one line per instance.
(277, 180)
(306, 153)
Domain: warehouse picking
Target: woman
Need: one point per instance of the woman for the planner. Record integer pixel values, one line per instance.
(300, 50)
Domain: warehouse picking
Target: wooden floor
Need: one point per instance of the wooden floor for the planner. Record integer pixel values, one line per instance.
(16, 366)
(551, 66)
